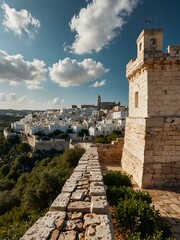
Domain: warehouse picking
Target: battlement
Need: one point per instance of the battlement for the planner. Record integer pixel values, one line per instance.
(149, 58)
(149, 52)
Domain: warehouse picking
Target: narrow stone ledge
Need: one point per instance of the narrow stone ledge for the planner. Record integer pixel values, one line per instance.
(81, 210)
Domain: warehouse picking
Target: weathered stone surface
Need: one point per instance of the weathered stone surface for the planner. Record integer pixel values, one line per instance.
(95, 177)
(59, 223)
(79, 206)
(43, 227)
(78, 195)
(92, 218)
(97, 227)
(54, 235)
(80, 168)
(99, 205)
(97, 190)
(76, 225)
(61, 202)
(77, 216)
(69, 187)
(69, 235)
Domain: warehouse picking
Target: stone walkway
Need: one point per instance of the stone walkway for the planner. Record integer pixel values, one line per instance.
(168, 204)
(166, 201)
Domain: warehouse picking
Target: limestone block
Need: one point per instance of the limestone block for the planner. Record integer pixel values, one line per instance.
(69, 187)
(80, 168)
(99, 205)
(61, 202)
(79, 206)
(69, 235)
(95, 177)
(78, 195)
(43, 227)
(54, 235)
(97, 227)
(76, 225)
(75, 176)
(92, 218)
(77, 216)
(97, 190)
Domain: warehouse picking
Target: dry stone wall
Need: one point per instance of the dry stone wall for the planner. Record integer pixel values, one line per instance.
(81, 210)
(111, 153)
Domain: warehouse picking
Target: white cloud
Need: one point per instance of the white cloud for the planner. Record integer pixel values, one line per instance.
(19, 21)
(16, 70)
(70, 72)
(98, 84)
(97, 25)
(55, 102)
(12, 100)
(8, 97)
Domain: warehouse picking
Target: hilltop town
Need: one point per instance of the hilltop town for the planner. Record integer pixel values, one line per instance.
(49, 129)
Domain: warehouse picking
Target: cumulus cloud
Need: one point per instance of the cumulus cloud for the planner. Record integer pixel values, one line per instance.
(97, 24)
(98, 84)
(19, 21)
(16, 70)
(8, 97)
(70, 72)
(55, 102)
(12, 100)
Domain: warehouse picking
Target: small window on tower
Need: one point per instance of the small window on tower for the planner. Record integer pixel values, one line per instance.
(153, 42)
(140, 46)
(136, 99)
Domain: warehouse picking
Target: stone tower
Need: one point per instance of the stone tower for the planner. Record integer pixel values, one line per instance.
(99, 103)
(151, 151)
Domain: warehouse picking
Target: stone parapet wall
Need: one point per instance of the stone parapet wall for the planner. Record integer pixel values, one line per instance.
(111, 152)
(81, 210)
(58, 144)
(152, 151)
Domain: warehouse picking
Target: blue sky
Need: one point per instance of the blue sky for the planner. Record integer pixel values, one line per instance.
(57, 53)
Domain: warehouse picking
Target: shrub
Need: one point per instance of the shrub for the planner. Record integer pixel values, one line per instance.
(135, 215)
(115, 178)
(115, 194)
(72, 156)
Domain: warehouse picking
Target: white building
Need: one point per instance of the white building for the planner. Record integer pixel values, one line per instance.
(105, 127)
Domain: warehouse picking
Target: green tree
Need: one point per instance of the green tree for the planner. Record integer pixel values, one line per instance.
(83, 132)
(24, 147)
(5, 169)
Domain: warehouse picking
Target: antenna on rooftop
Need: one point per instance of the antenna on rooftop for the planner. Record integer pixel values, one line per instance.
(149, 21)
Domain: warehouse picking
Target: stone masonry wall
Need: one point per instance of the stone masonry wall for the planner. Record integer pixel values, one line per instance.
(111, 152)
(58, 144)
(162, 152)
(81, 210)
(133, 152)
(152, 151)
